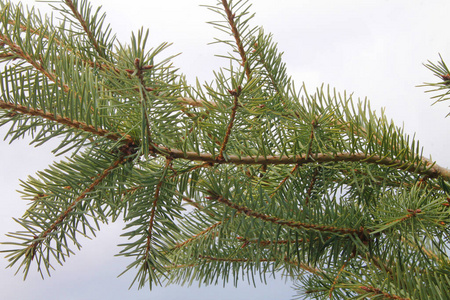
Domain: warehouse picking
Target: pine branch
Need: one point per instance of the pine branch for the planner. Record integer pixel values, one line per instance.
(289, 223)
(236, 34)
(207, 230)
(64, 121)
(370, 291)
(85, 26)
(36, 64)
(235, 94)
(153, 211)
(39, 239)
(424, 167)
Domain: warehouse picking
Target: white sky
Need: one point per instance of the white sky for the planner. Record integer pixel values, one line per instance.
(372, 48)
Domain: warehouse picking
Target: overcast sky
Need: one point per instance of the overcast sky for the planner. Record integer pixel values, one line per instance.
(374, 49)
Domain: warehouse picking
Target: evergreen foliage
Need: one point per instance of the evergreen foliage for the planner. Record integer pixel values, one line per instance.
(240, 177)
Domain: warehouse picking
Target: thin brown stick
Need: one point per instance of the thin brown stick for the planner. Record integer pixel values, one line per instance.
(289, 223)
(180, 245)
(153, 211)
(235, 94)
(422, 167)
(330, 295)
(37, 65)
(64, 121)
(32, 248)
(83, 24)
(375, 291)
(139, 73)
(311, 185)
(237, 38)
(284, 180)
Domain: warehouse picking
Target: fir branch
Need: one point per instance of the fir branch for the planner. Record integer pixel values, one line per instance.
(289, 223)
(85, 26)
(40, 34)
(422, 167)
(311, 185)
(265, 243)
(36, 64)
(285, 179)
(207, 230)
(374, 292)
(303, 266)
(153, 211)
(64, 121)
(236, 34)
(39, 239)
(139, 72)
(339, 274)
(235, 94)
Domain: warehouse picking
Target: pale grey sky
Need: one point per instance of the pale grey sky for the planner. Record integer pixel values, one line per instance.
(372, 48)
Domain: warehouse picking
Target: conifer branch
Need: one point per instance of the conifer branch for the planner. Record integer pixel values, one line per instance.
(289, 223)
(16, 50)
(285, 179)
(375, 292)
(85, 26)
(311, 185)
(236, 34)
(64, 121)
(153, 211)
(339, 274)
(432, 170)
(303, 266)
(39, 239)
(180, 245)
(235, 94)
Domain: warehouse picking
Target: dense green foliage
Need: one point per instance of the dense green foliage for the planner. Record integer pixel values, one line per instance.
(238, 178)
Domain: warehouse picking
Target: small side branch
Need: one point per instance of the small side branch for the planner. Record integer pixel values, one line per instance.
(139, 72)
(290, 223)
(17, 51)
(83, 24)
(237, 37)
(374, 292)
(65, 214)
(235, 94)
(63, 121)
(198, 235)
(285, 179)
(153, 211)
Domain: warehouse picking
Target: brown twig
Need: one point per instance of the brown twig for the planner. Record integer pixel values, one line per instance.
(153, 211)
(37, 65)
(339, 274)
(32, 248)
(433, 170)
(311, 185)
(83, 24)
(235, 94)
(231, 17)
(139, 70)
(375, 291)
(197, 235)
(64, 121)
(289, 223)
